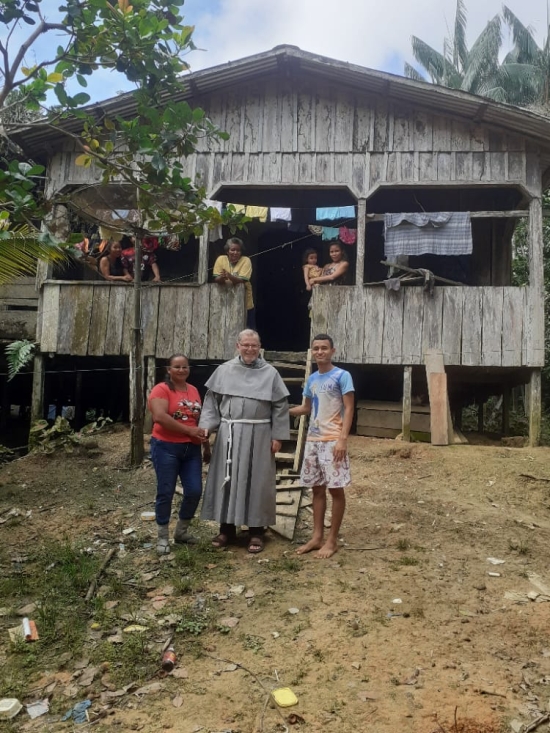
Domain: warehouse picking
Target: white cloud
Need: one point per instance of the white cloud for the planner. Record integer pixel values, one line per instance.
(371, 33)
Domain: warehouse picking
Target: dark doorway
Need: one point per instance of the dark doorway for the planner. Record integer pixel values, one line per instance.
(282, 314)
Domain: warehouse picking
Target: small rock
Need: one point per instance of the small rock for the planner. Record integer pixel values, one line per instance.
(356, 665)
(230, 668)
(236, 590)
(293, 611)
(27, 610)
(494, 575)
(180, 673)
(516, 726)
(177, 702)
(397, 601)
(275, 634)
(249, 594)
(230, 622)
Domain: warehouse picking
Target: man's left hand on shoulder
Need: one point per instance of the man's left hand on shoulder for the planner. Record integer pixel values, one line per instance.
(340, 449)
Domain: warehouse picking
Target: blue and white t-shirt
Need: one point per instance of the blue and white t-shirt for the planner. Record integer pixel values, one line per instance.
(327, 406)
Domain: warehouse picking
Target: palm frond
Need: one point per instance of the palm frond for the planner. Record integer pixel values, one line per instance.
(411, 73)
(22, 247)
(483, 57)
(523, 83)
(18, 355)
(460, 49)
(429, 59)
(527, 50)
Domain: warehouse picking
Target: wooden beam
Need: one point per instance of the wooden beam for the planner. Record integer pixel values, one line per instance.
(535, 407)
(513, 214)
(506, 394)
(361, 230)
(37, 400)
(150, 378)
(407, 395)
(203, 257)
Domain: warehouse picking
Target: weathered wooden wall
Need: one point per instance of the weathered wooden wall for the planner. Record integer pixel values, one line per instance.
(96, 319)
(298, 132)
(18, 309)
(473, 326)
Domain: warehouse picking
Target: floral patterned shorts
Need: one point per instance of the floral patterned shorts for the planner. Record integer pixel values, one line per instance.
(320, 469)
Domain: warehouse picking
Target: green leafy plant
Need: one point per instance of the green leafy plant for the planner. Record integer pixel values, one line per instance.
(18, 355)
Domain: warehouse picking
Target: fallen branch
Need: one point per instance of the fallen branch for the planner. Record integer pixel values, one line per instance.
(367, 549)
(93, 584)
(534, 478)
(539, 721)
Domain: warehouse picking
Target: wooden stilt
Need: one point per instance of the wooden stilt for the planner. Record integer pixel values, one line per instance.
(407, 397)
(535, 407)
(203, 257)
(361, 230)
(5, 412)
(37, 400)
(506, 395)
(150, 378)
(480, 417)
(79, 417)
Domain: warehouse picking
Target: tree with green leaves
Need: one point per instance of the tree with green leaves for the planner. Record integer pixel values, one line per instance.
(475, 70)
(142, 152)
(145, 41)
(525, 70)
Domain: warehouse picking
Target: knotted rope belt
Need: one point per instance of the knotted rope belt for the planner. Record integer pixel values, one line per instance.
(228, 459)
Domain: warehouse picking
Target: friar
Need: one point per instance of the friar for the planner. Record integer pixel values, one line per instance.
(246, 404)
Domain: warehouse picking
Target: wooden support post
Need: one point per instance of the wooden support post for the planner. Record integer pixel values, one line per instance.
(506, 394)
(535, 407)
(5, 411)
(37, 400)
(78, 407)
(203, 257)
(150, 378)
(534, 323)
(361, 230)
(441, 424)
(137, 370)
(407, 396)
(480, 417)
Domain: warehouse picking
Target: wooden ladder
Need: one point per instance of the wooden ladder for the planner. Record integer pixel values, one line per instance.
(289, 460)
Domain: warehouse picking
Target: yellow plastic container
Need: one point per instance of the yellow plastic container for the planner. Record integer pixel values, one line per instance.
(284, 697)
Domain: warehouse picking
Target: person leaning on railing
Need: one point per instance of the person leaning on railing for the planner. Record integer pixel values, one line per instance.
(234, 269)
(110, 263)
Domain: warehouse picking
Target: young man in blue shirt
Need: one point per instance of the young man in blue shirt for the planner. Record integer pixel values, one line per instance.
(329, 400)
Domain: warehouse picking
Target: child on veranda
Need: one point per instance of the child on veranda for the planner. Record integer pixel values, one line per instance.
(329, 399)
(311, 268)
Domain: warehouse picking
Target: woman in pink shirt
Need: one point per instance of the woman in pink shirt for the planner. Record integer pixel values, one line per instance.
(176, 449)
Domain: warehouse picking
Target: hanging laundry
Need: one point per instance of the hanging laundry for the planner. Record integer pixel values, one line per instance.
(280, 214)
(171, 242)
(215, 233)
(347, 236)
(314, 229)
(257, 212)
(335, 212)
(438, 233)
(239, 208)
(330, 234)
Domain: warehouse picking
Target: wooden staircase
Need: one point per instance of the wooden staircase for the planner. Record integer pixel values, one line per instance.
(295, 370)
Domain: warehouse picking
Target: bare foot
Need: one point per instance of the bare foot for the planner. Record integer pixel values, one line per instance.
(327, 550)
(313, 544)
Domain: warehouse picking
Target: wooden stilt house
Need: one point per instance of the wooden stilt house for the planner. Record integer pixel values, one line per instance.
(307, 132)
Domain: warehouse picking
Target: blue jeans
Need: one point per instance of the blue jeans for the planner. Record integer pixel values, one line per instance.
(170, 461)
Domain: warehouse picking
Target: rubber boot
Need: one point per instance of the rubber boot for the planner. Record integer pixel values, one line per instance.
(163, 544)
(181, 534)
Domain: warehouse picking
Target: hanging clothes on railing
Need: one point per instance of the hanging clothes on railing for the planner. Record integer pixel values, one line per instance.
(278, 214)
(438, 233)
(257, 212)
(215, 233)
(347, 236)
(335, 212)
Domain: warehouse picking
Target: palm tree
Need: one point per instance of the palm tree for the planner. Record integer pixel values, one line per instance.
(525, 71)
(475, 70)
(21, 247)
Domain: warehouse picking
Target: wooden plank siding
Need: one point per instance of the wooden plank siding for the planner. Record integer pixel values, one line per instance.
(297, 131)
(18, 309)
(95, 319)
(473, 326)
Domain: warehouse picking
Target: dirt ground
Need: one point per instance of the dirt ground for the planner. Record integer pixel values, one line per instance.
(409, 627)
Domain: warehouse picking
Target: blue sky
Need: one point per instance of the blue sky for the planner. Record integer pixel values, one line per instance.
(366, 32)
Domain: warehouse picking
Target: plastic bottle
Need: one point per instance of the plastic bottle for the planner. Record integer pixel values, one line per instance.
(169, 659)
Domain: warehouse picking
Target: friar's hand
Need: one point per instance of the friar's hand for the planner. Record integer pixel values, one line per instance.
(275, 446)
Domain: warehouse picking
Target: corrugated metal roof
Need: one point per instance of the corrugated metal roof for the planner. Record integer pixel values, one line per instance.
(38, 141)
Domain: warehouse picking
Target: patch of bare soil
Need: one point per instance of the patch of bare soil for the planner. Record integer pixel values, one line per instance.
(410, 627)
